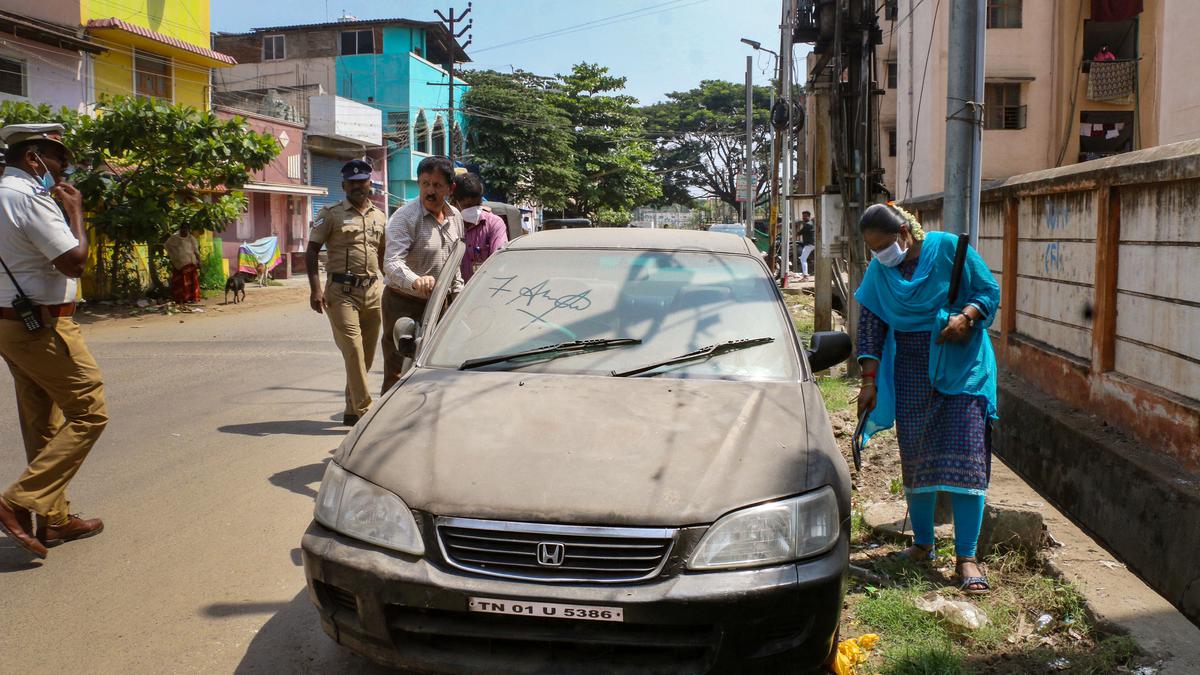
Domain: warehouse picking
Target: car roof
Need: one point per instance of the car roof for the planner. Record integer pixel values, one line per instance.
(635, 238)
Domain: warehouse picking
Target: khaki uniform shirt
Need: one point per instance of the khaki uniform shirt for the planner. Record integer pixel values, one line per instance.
(183, 251)
(33, 232)
(352, 240)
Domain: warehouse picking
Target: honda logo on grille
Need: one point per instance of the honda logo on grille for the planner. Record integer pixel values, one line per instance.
(550, 554)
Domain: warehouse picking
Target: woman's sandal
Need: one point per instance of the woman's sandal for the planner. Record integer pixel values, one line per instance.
(904, 555)
(972, 585)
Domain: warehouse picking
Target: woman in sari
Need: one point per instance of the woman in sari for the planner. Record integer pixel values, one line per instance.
(929, 370)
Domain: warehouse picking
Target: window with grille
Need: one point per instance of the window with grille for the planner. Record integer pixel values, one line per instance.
(891, 134)
(439, 137)
(892, 74)
(152, 76)
(421, 134)
(1002, 107)
(1004, 13)
(273, 47)
(12, 77)
(396, 130)
(358, 42)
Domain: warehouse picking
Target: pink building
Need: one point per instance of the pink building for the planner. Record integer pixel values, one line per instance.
(278, 198)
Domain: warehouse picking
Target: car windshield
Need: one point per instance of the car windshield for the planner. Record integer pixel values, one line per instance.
(674, 302)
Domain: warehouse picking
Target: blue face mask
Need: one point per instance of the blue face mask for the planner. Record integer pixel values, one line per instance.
(47, 178)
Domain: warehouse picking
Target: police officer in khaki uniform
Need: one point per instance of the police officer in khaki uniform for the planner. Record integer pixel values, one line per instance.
(352, 232)
(60, 397)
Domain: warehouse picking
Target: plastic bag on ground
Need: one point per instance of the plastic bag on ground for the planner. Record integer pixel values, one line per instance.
(852, 653)
(955, 612)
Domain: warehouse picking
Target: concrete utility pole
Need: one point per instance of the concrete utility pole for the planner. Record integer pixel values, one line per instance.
(964, 117)
(821, 162)
(450, 22)
(748, 168)
(789, 149)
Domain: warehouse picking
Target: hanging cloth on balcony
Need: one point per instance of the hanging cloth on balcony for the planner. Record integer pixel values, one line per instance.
(1115, 10)
(1112, 81)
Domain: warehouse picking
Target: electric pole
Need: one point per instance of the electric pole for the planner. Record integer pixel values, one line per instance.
(451, 22)
(748, 167)
(964, 117)
(785, 86)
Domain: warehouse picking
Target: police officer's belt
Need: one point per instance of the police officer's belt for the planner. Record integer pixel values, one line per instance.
(352, 280)
(65, 309)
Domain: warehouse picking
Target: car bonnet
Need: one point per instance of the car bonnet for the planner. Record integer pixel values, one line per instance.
(595, 450)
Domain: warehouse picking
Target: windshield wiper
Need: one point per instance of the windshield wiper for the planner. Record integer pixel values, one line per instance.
(701, 354)
(561, 349)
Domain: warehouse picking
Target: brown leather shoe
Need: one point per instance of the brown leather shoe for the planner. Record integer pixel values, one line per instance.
(74, 528)
(11, 524)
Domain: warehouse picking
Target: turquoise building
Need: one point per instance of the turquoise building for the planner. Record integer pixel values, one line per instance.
(414, 97)
(395, 66)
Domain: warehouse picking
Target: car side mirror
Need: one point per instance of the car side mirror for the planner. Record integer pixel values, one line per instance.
(404, 334)
(828, 350)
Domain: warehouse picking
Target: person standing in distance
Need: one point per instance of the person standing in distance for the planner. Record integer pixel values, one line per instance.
(60, 395)
(183, 249)
(420, 238)
(352, 233)
(807, 242)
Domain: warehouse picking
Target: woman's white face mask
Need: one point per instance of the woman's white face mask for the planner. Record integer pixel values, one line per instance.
(892, 255)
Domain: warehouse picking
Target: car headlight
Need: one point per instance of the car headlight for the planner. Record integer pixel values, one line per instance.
(360, 509)
(771, 533)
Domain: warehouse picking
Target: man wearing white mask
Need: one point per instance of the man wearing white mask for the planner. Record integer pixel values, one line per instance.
(485, 233)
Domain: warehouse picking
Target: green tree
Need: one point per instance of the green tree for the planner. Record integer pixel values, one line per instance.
(145, 168)
(611, 153)
(520, 140)
(700, 140)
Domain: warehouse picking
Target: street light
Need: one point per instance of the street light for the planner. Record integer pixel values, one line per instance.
(758, 45)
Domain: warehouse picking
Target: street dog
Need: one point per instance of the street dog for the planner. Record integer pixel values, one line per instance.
(236, 284)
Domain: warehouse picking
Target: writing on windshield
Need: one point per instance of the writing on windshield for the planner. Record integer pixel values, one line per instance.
(538, 300)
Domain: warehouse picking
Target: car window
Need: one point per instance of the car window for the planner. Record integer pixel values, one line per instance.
(675, 302)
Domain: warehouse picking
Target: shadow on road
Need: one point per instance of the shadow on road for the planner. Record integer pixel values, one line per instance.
(293, 427)
(221, 610)
(292, 642)
(13, 558)
(300, 478)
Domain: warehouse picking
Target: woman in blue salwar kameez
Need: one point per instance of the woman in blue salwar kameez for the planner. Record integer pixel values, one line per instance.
(929, 370)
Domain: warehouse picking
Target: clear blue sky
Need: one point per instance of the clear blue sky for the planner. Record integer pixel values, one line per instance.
(659, 45)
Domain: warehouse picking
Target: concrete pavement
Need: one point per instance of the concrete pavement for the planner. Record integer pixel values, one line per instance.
(220, 429)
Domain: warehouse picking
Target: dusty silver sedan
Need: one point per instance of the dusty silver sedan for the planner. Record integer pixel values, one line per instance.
(610, 455)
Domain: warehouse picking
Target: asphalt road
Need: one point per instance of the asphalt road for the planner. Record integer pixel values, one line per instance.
(219, 432)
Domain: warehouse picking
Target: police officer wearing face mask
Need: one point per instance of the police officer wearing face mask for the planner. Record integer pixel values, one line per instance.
(352, 233)
(60, 396)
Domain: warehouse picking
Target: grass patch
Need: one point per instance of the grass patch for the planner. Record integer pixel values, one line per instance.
(936, 659)
(840, 393)
(916, 642)
(859, 530)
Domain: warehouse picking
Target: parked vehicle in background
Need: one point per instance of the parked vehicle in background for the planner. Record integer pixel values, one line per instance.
(697, 519)
(564, 223)
(511, 215)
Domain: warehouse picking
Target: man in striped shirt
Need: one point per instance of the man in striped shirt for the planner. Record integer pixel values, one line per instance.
(419, 238)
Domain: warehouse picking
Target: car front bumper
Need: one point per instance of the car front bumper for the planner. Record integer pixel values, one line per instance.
(406, 611)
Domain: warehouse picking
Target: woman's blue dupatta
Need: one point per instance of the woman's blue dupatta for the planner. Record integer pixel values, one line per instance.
(920, 304)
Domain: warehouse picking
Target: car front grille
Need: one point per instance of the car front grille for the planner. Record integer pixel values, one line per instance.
(554, 553)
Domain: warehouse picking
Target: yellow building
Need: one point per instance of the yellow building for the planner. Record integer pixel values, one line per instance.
(156, 48)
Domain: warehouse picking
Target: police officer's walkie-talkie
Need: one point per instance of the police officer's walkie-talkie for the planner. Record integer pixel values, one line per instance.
(23, 306)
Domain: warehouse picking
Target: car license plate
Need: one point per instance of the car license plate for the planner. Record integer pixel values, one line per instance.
(545, 610)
